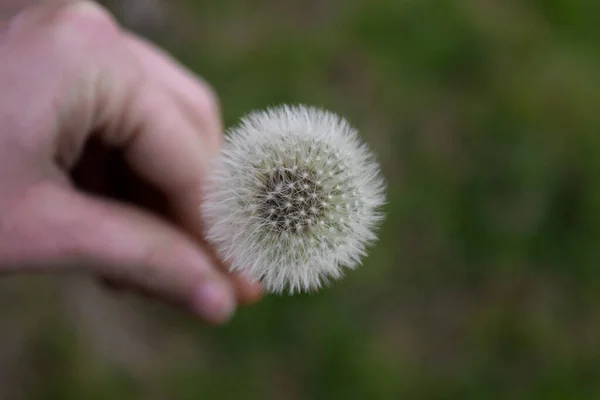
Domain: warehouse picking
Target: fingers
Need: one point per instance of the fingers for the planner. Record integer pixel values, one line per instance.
(197, 105)
(99, 79)
(246, 292)
(122, 244)
(168, 152)
(130, 95)
(197, 112)
(194, 96)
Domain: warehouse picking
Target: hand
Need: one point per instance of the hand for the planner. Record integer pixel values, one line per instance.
(104, 145)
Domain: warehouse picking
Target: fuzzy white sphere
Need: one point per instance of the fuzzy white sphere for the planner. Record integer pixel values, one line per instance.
(293, 198)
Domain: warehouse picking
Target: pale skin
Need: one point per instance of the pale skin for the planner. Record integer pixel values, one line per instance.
(88, 113)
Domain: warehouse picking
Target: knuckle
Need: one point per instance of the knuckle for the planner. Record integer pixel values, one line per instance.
(83, 19)
(85, 11)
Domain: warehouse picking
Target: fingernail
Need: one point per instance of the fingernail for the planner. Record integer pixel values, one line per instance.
(214, 302)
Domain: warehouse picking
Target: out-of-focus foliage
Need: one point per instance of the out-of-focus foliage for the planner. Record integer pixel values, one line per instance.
(485, 283)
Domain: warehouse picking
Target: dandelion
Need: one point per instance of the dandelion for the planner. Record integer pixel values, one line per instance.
(293, 199)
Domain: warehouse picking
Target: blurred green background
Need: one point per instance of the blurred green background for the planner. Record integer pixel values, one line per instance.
(485, 283)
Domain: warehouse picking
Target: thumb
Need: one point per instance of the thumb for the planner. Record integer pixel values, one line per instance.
(55, 227)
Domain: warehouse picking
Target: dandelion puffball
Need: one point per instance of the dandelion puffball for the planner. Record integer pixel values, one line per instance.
(293, 198)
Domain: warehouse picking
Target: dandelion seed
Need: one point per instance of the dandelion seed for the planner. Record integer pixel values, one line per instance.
(296, 240)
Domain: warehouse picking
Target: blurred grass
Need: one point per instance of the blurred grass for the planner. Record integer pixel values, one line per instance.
(485, 283)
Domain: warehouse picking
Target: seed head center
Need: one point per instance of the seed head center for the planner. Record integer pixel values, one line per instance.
(291, 200)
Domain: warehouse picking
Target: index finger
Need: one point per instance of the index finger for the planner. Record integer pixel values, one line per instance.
(198, 111)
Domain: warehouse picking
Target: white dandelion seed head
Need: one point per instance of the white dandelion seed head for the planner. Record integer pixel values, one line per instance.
(316, 191)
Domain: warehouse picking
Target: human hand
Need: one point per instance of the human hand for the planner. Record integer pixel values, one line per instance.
(87, 105)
